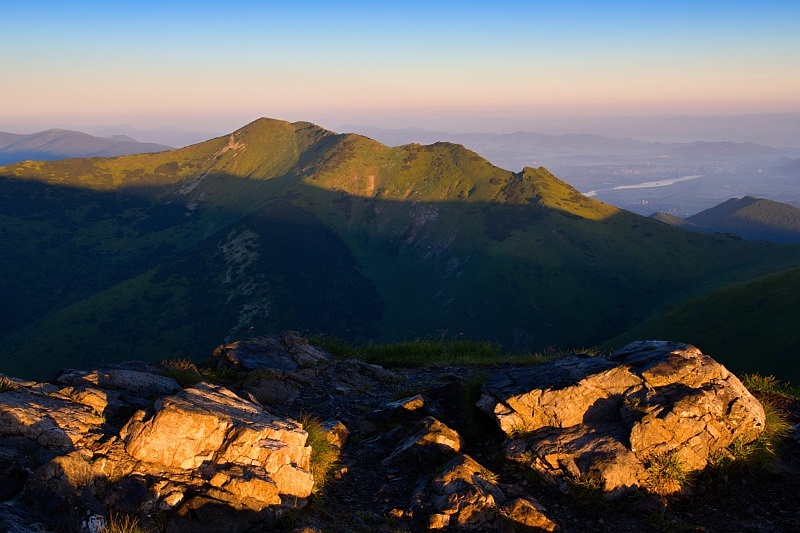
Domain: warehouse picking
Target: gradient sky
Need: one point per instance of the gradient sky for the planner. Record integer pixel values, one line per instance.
(217, 65)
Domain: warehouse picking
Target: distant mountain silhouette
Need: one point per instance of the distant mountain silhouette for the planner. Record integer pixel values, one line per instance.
(722, 149)
(792, 168)
(63, 144)
(749, 218)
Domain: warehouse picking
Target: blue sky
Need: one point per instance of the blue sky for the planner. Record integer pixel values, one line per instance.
(217, 65)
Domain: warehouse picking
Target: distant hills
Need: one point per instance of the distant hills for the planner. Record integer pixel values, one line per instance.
(282, 226)
(61, 144)
(526, 147)
(792, 168)
(749, 218)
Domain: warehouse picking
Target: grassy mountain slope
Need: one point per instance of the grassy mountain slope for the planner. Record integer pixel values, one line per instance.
(288, 226)
(750, 325)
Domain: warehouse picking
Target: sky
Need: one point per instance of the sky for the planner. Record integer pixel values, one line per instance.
(215, 66)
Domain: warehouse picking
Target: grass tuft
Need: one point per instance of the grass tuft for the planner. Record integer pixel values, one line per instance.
(762, 452)
(123, 524)
(588, 489)
(666, 474)
(324, 455)
(6, 384)
(771, 385)
(187, 373)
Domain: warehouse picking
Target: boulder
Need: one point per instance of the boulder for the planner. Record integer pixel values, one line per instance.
(203, 447)
(209, 425)
(430, 443)
(47, 419)
(139, 378)
(610, 419)
(466, 496)
(286, 353)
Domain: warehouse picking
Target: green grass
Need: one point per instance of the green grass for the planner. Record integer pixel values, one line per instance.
(589, 490)
(770, 384)
(418, 353)
(442, 351)
(736, 322)
(324, 456)
(188, 373)
(665, 474)
(355, 239)
(762, 453)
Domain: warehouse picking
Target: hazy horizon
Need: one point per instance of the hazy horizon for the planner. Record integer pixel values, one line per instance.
(451, 66)
(772, 129)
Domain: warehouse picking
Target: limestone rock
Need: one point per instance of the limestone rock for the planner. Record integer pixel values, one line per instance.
(606, 419)
(139, 378)
(528, 512)
(352, 376)
(336, 433)
(432, 442)
(210, 424)
(48, 420)
(13, 521)
(403, 409)
(569, 391)
(286, 353)
(247, 487)
(467, 496)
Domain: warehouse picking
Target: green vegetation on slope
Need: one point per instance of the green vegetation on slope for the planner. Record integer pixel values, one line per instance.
(288, 226)
(749, 327)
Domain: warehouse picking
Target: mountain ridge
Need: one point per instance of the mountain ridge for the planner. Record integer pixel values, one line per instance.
(288, 226)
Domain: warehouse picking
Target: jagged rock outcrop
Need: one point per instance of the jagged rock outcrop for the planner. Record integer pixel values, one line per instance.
(609, 420)
(466, 497)
(126, 439)
(232, 439)
(203, 446)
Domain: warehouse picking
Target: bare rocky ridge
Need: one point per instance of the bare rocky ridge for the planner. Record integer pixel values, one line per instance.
(234, 456)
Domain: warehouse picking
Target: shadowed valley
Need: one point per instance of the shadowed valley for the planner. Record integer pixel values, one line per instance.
(288, 226)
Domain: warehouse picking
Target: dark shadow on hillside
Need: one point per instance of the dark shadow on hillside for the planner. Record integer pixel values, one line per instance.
(145, 273)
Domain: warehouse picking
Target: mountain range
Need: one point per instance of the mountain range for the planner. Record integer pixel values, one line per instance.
(288, 226)
(679, 178)
(524, 147)
(749, 218)
(60, 144)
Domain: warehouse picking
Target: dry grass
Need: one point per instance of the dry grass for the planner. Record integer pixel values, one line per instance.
(6, 384)
(118, 523)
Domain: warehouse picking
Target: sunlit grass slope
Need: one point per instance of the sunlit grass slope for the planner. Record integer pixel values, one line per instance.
(289, 226)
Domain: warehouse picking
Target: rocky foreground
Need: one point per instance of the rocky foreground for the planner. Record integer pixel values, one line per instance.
(577, 444)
